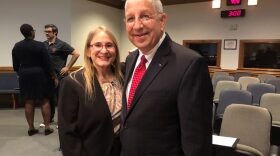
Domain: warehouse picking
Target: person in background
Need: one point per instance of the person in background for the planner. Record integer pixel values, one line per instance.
(36, 76)
(59, 51)
(167, 98)
(90, 100)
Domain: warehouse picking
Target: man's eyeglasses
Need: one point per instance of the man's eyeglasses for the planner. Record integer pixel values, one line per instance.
(99, 46)
(145, 18)
(48, 31)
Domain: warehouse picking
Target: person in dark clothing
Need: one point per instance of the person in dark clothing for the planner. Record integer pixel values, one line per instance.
(167, 95)
(59, 51)
(32, 64)
(89, 104)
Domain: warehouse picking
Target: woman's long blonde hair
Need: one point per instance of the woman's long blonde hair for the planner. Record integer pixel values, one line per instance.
(89, 68)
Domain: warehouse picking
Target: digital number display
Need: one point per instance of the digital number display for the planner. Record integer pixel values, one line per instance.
(233, 13)
(233, 2)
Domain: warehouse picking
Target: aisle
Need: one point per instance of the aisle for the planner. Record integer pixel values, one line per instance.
(14, 140)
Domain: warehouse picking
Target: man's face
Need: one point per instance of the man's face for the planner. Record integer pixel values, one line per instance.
(144, 25)
(49, 33)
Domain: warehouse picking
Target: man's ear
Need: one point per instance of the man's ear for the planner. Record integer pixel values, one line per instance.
(163, 20)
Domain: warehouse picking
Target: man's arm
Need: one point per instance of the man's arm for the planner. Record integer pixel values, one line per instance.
(195, 109)
(75, 55)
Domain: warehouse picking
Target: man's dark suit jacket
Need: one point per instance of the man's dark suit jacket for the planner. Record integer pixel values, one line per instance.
(85, 126)
(170, 114)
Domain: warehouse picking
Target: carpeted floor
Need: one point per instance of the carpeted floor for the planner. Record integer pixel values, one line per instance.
(14, 140)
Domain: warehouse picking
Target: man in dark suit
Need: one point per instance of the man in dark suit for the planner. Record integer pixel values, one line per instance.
(167, 100)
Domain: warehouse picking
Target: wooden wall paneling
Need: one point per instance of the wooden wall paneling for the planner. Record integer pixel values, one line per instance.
(11, 70)
(120, 3)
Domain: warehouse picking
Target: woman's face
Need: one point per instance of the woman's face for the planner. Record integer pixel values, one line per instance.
(102, 51)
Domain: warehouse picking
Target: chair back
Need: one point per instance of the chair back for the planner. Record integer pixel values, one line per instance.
(8, 81)
(250, 124)
(237, 75)
(258, 90)
(274, 82)
(245, 80)
(224, 85)
(271, 101)
(228, 97)
(218, 73)
(264, 77)
(221, 78)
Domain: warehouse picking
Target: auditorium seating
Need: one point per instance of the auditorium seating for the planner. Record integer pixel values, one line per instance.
(224, 85)
(221, 78)
(258, 90)
(275, 82)
(228, 97)
(271, 101)
(237, 75)
(245, 80)
(264, 77)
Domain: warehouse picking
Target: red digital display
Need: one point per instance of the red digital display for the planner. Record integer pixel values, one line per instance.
(233, 13)
(233, 2)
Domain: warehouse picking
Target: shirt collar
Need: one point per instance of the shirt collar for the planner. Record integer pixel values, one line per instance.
(153, 51)
(55, 41)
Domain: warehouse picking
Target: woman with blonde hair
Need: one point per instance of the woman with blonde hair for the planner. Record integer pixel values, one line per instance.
(90, 100)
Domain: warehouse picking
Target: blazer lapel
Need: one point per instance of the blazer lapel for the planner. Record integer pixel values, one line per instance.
(158, 62)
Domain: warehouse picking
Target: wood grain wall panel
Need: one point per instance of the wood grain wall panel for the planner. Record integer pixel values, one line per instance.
(120, 3)
(212, 69)
(11, 70)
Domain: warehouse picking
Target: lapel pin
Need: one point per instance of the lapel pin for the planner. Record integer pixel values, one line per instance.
(159, 64)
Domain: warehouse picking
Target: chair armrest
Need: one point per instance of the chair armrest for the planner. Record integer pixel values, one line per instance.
(276, 124)
(247, 149)
(216, 101)
(274, 150)
(244, 153)
(224, 151)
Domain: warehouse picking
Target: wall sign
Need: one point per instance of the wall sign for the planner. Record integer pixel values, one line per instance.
(233, 13)
(233, 2)
(230, 44)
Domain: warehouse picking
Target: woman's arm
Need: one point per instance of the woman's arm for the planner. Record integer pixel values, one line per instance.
(68, 107)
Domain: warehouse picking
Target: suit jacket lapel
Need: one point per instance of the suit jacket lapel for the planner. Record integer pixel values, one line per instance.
(158, 62)
(129, 67)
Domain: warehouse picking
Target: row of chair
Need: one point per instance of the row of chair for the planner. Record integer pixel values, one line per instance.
(245, 80)
(253, 131)
(237, 75)
(271, 101)
(248, 83)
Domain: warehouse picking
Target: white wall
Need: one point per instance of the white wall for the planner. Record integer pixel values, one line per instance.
(75, 18)
(13, 13)
(88, 15)
(200, 21)
(126, 45)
